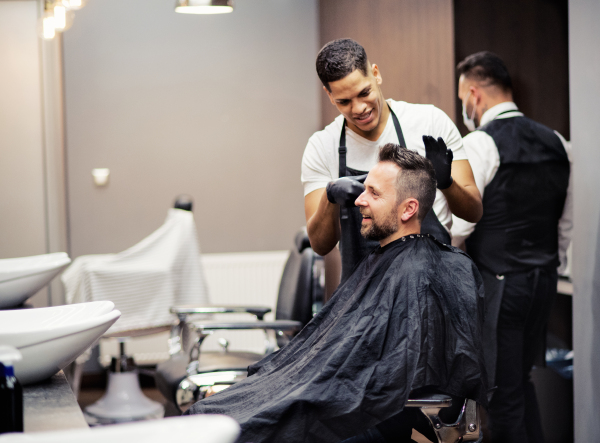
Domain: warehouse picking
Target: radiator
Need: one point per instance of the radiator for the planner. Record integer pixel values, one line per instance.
(245, 278)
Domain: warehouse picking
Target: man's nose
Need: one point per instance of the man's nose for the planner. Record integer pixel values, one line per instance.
(360, 200)
(358, 107)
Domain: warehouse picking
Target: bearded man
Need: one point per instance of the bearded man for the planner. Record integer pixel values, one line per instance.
(408, 319)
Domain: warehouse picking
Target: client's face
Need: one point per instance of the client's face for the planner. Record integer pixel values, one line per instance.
(378, 204)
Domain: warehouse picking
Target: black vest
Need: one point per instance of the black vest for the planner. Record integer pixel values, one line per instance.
(524, 202)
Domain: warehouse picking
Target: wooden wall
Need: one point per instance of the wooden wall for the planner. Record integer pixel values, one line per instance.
(532, 38)
(410, 40)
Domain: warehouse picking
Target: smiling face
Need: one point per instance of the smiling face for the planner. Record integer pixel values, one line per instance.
(378, 203)
(359, 99)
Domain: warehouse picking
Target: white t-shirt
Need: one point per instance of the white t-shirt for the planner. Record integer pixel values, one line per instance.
(320, 163)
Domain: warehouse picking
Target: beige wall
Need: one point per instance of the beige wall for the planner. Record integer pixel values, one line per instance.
(412, 42)
(218, 107)
(32, 207)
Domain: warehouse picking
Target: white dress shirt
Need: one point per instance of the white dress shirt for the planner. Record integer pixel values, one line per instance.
(484, 159)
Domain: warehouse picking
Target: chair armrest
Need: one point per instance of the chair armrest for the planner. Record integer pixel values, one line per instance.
(277, 325)
(259, 311)
(430, 401)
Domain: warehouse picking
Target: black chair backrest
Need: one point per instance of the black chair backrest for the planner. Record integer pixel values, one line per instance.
(300, 289)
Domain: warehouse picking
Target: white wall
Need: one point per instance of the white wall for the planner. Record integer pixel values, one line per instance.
(219, 107)
(32, 207)
(584, 41)
(21, 167)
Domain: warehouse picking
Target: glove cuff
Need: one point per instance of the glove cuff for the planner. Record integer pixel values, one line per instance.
(441, 188)
(329, 193)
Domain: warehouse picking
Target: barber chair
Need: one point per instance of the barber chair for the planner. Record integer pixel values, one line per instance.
(467, 426)
(189, 375)
(162, 269)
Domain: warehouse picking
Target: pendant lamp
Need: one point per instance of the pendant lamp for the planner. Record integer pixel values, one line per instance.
(203, 6)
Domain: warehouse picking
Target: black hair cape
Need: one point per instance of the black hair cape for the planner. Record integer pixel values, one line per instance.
(408, 317)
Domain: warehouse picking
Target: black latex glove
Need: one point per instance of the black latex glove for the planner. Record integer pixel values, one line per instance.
(344, 191)
(441, 157)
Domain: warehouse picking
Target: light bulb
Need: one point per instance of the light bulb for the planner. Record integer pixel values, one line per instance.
(60, 17)
(49, 31)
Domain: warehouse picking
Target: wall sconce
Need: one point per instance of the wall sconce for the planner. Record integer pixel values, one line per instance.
(203, 6)
(100, 176)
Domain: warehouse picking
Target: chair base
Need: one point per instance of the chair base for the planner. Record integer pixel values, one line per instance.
(123, 402)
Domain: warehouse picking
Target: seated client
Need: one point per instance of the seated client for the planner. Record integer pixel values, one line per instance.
(408, 319)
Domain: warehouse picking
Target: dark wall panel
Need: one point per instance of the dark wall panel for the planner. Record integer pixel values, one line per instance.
(410, 40)
(532, 38)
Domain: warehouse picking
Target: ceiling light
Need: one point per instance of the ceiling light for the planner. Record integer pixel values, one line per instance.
(203, 6)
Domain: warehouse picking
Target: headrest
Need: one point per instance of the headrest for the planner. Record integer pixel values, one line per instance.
(184, 202)
(301, 240)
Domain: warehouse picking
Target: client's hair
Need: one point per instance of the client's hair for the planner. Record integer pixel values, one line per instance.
(339, 58)
(416, 177)
(486, 67)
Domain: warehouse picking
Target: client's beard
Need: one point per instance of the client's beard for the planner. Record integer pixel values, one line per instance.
(379, 230)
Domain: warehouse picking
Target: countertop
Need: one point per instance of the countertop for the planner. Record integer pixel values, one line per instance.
(51, 405)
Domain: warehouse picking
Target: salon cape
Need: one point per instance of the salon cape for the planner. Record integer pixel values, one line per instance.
(408, 317)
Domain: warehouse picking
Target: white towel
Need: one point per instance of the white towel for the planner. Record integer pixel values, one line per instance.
(145, 280)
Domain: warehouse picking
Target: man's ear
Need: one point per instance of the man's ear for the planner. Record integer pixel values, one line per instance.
(410, 209)
(376, 73)
(329, 95)
(475, 92)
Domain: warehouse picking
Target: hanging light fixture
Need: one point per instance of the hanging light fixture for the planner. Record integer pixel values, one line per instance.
(57, 17)
(48, 29)
(60, 16)
(203, 6)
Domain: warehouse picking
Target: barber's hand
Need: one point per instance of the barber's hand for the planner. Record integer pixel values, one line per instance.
(441, 157)
(344, 191)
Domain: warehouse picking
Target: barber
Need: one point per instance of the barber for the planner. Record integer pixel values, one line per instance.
(522, 171)
(337, 159)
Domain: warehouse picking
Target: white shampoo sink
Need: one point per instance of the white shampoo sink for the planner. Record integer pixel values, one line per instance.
(51, 338)
(22, 277)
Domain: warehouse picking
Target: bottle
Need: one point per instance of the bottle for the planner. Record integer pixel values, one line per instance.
(11, 392)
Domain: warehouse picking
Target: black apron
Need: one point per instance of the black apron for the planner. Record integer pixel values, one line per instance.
(353, 246)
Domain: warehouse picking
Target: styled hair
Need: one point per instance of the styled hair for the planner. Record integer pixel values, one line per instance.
(486, 67)
(415, 179)
(339, 58)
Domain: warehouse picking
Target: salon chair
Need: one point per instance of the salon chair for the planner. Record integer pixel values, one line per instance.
(467, 426)
(190, 374)
(161, 270)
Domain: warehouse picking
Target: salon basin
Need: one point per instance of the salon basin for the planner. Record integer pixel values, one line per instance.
(22, 277)
(51, 338)
(192, 429)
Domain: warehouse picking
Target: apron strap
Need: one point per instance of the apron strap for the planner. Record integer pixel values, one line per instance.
(343, 171)
(398, 129)
(342, 150)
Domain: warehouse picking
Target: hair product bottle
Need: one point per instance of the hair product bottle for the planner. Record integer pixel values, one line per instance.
(11, 392)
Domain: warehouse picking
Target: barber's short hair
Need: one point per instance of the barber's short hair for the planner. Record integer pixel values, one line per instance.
(486, 67)
(339, 58)
(416, 178)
